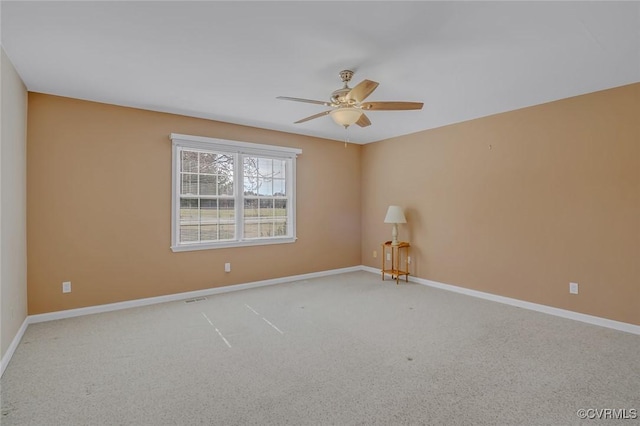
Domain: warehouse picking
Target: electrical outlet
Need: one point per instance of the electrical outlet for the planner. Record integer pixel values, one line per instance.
(573, 288)
(66, 287)
(388, 256)
(409, 259)
(227, 267)
(375, 254)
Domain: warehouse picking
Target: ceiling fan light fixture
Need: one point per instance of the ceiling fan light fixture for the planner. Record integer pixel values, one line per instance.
(346, 116)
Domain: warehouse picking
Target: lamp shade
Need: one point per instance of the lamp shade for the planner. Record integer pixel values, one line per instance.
(346, 116)
(395, 215)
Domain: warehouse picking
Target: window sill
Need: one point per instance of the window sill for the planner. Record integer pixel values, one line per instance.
(229, 244)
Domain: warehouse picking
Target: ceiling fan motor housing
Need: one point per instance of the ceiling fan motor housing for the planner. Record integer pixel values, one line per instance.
(339, 97)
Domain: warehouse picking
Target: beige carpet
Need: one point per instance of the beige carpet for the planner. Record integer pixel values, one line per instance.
(348, 349)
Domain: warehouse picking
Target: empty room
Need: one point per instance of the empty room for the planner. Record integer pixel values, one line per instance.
(319, 213)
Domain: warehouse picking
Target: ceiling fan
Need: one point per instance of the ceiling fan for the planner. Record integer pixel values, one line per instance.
(348, 104)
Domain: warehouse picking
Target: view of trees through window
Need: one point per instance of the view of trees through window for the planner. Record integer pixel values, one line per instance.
(265, 198)
(209, 197)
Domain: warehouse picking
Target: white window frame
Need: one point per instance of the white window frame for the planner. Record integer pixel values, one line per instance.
(238, 150)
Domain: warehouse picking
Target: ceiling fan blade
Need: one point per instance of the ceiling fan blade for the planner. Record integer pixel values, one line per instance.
(390, 106)
(363, 121)
(313, 116)
(362, 90)
(309, 101)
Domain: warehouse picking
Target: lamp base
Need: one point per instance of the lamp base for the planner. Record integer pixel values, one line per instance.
(394, 235)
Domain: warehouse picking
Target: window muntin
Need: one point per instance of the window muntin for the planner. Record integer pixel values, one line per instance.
(207, 198)
(228, 193)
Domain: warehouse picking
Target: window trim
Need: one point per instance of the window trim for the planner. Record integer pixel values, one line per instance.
(237, 148)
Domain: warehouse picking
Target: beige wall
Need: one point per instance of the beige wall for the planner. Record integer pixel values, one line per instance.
(99, 199)
(13, 195)
(519, 204)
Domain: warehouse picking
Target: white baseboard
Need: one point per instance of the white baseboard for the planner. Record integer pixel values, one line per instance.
(589, 319)
(14, 345)
(370, 269)
(577, 316)
(70, 313)
(50, 316)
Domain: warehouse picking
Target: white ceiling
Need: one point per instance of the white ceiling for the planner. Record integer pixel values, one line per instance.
(229, 60)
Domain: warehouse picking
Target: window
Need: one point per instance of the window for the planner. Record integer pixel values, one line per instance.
(228, 194)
